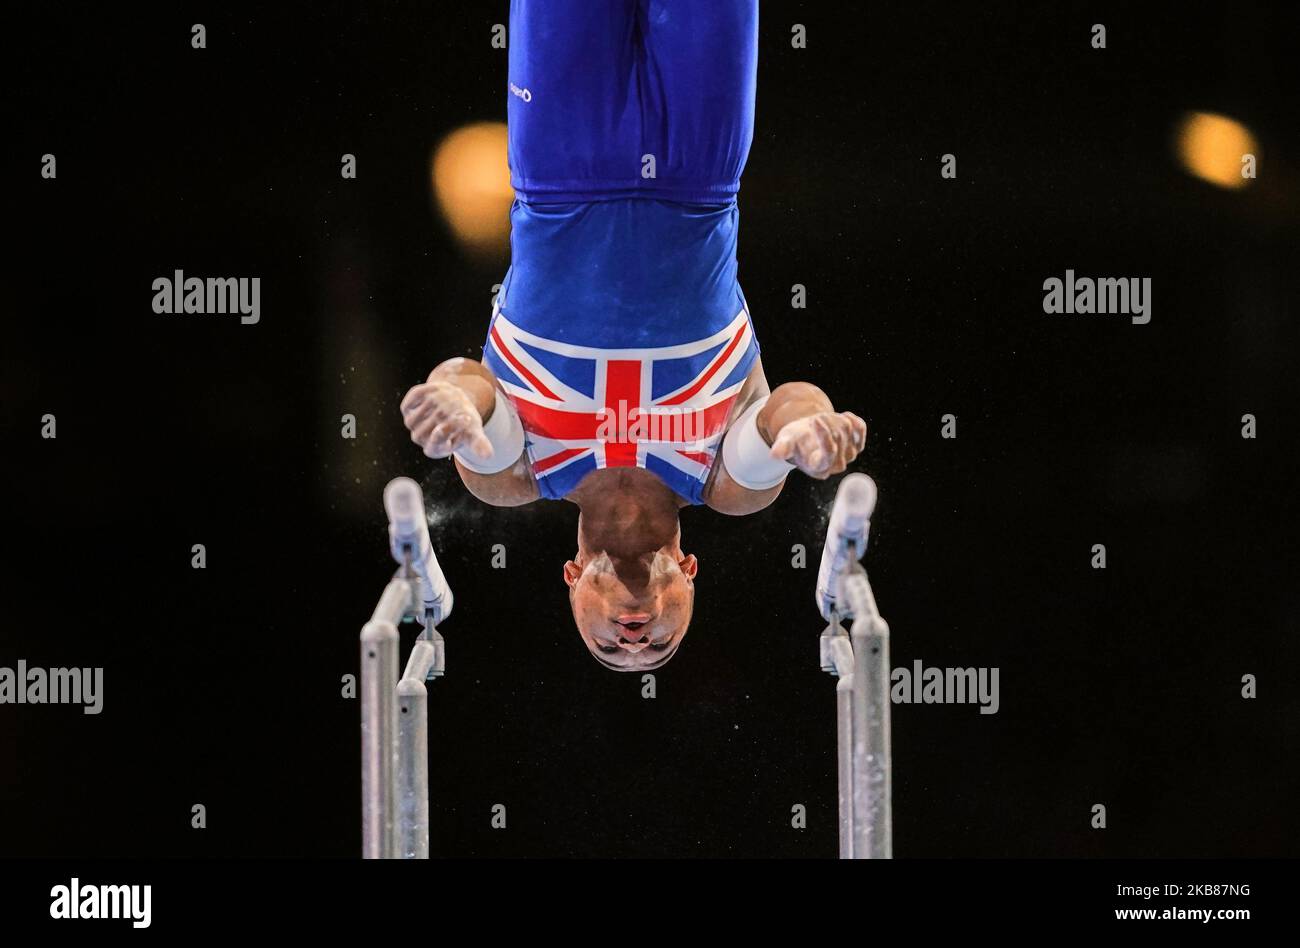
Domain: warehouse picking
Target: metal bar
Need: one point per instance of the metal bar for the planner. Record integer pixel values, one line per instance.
(413, 753)
(396, 602)
(379, 643)
(408, 539)
(873, 797)
(837, 658)
(846, 538)
(844, 753)
(842, 655)
(872, 753)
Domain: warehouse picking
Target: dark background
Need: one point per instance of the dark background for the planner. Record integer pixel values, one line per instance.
(222, 686)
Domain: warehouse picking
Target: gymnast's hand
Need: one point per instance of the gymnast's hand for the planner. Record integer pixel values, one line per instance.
(442, 413)
(803, 428)
(822, 444)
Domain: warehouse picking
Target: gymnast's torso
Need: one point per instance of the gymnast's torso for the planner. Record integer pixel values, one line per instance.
(621, 334)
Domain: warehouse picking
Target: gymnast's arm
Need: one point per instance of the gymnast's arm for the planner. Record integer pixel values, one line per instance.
(801, 427)
(447, 413)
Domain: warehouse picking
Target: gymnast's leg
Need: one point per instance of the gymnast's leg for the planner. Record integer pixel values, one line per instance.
(573, 90)
(698, 85)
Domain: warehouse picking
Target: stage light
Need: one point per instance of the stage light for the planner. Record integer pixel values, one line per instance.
(471, 181)
(1215, 148)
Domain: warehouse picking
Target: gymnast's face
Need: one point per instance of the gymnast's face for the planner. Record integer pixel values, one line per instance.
(632, 613)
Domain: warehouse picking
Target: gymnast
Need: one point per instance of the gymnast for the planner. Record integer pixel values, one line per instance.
(621, 371)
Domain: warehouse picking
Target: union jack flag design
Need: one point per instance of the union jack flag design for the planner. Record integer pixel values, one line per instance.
(660, 408)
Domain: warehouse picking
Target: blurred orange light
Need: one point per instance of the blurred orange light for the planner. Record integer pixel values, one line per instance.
(471, 180)
(1212, 148)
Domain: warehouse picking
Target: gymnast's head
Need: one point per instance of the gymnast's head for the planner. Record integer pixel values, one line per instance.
(632, 610)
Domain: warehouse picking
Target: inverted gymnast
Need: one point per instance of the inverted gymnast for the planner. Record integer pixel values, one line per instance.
(621, 371)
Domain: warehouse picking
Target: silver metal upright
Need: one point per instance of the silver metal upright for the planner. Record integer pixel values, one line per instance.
(860, 659)
(378, 686)
(872, 753)
(841, 664)
(413, 753)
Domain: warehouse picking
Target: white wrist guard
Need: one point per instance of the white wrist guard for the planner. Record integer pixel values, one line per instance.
(748, 457)
(507, 436)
